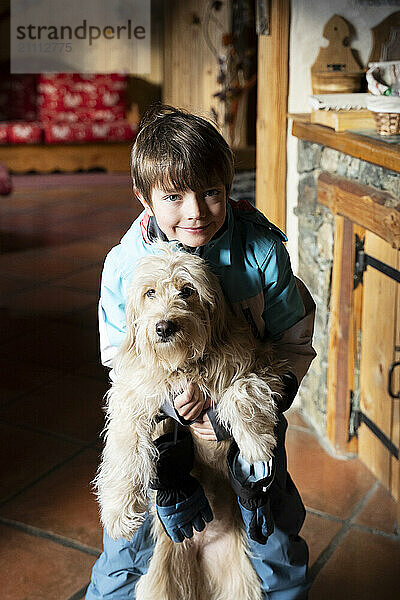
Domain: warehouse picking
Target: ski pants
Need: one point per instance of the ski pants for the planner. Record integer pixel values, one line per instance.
(281, 564)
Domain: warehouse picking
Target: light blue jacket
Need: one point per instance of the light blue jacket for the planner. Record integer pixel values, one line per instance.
(254, 270)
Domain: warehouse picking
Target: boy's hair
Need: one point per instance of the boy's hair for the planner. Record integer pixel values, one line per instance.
(175, 149)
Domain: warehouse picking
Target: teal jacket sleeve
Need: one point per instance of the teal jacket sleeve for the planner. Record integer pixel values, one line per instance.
(283, 305)
(112, 321)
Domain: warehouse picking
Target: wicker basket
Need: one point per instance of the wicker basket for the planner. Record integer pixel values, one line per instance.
(387, 123)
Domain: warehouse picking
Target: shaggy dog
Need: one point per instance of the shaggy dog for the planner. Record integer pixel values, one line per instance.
(208, 345)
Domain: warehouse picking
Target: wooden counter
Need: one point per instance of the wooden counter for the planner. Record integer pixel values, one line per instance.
(378, 152)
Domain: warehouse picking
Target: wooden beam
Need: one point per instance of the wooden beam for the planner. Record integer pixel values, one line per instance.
(111, 156)
(372, 209)
(360, 146)
(273, 61)
(340, 334)
(114, 157)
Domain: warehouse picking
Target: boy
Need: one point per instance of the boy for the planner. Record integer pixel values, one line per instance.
(182, 170)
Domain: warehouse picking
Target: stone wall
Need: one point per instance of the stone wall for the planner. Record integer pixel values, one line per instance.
(316, 235)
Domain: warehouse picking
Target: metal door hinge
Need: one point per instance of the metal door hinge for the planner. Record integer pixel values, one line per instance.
(363, 260)
(357, 417)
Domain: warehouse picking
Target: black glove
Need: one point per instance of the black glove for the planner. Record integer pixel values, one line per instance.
(180, 501)
(254, 501)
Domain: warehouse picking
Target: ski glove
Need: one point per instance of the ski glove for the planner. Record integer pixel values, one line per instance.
(252, 489)
(180, 501)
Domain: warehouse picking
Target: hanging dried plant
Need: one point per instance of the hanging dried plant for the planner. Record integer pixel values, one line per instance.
(237, 65)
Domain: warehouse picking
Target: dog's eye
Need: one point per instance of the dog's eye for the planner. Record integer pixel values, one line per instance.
(186, 292)
(151, 293)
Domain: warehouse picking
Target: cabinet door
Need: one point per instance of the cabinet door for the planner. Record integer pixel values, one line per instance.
(379, 342)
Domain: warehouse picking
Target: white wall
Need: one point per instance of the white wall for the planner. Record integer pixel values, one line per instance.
(308, 18)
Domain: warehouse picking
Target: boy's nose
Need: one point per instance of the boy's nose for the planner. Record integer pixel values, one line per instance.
(195, 206)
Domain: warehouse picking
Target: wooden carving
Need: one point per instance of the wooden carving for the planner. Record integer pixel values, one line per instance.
(336, 70)
(386, 39)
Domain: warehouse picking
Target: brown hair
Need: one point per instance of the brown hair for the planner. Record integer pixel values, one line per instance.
(178, 150)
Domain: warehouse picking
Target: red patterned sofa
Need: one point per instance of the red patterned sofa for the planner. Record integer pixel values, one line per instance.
(64, 108)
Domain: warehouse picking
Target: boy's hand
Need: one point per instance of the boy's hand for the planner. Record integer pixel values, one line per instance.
(203, 429)
(180, 502)
(191, 403)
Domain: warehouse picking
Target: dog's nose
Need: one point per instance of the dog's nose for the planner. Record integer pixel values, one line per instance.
(166, 328)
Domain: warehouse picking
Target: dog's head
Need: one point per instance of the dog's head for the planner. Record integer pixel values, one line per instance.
(175, 308)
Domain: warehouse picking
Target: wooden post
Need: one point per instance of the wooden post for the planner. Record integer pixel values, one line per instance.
(340, 330)
(273, 65)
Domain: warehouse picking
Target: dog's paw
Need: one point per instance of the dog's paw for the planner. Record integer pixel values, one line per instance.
(256, 449)
(122, 525)
(122, 515)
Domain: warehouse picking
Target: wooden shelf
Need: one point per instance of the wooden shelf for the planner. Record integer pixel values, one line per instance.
(378, 152)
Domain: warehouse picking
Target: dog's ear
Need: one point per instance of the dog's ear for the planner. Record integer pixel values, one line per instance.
(130, 339)
(213, 299)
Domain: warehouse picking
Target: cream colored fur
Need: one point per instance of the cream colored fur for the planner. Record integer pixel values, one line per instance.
(216, 350)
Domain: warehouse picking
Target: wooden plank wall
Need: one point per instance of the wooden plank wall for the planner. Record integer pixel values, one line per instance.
(273, 81)
(190, 68)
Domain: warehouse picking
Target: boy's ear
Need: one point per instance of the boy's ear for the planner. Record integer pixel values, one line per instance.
(143, 202)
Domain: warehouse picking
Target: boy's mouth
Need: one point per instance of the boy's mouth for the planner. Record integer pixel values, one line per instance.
(195, 229)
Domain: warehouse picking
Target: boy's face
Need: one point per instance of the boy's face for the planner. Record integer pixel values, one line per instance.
(191, 217)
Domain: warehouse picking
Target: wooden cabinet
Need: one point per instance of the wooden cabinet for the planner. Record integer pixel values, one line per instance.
(364, 333)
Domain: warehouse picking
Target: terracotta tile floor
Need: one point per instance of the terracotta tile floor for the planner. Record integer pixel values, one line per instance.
(55, 231)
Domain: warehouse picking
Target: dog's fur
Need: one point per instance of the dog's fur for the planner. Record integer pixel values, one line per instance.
(215, 349)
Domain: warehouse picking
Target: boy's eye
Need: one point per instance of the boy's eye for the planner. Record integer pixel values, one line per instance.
(173, 197)
(151, 293)
(186, 292)
(213, 192)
